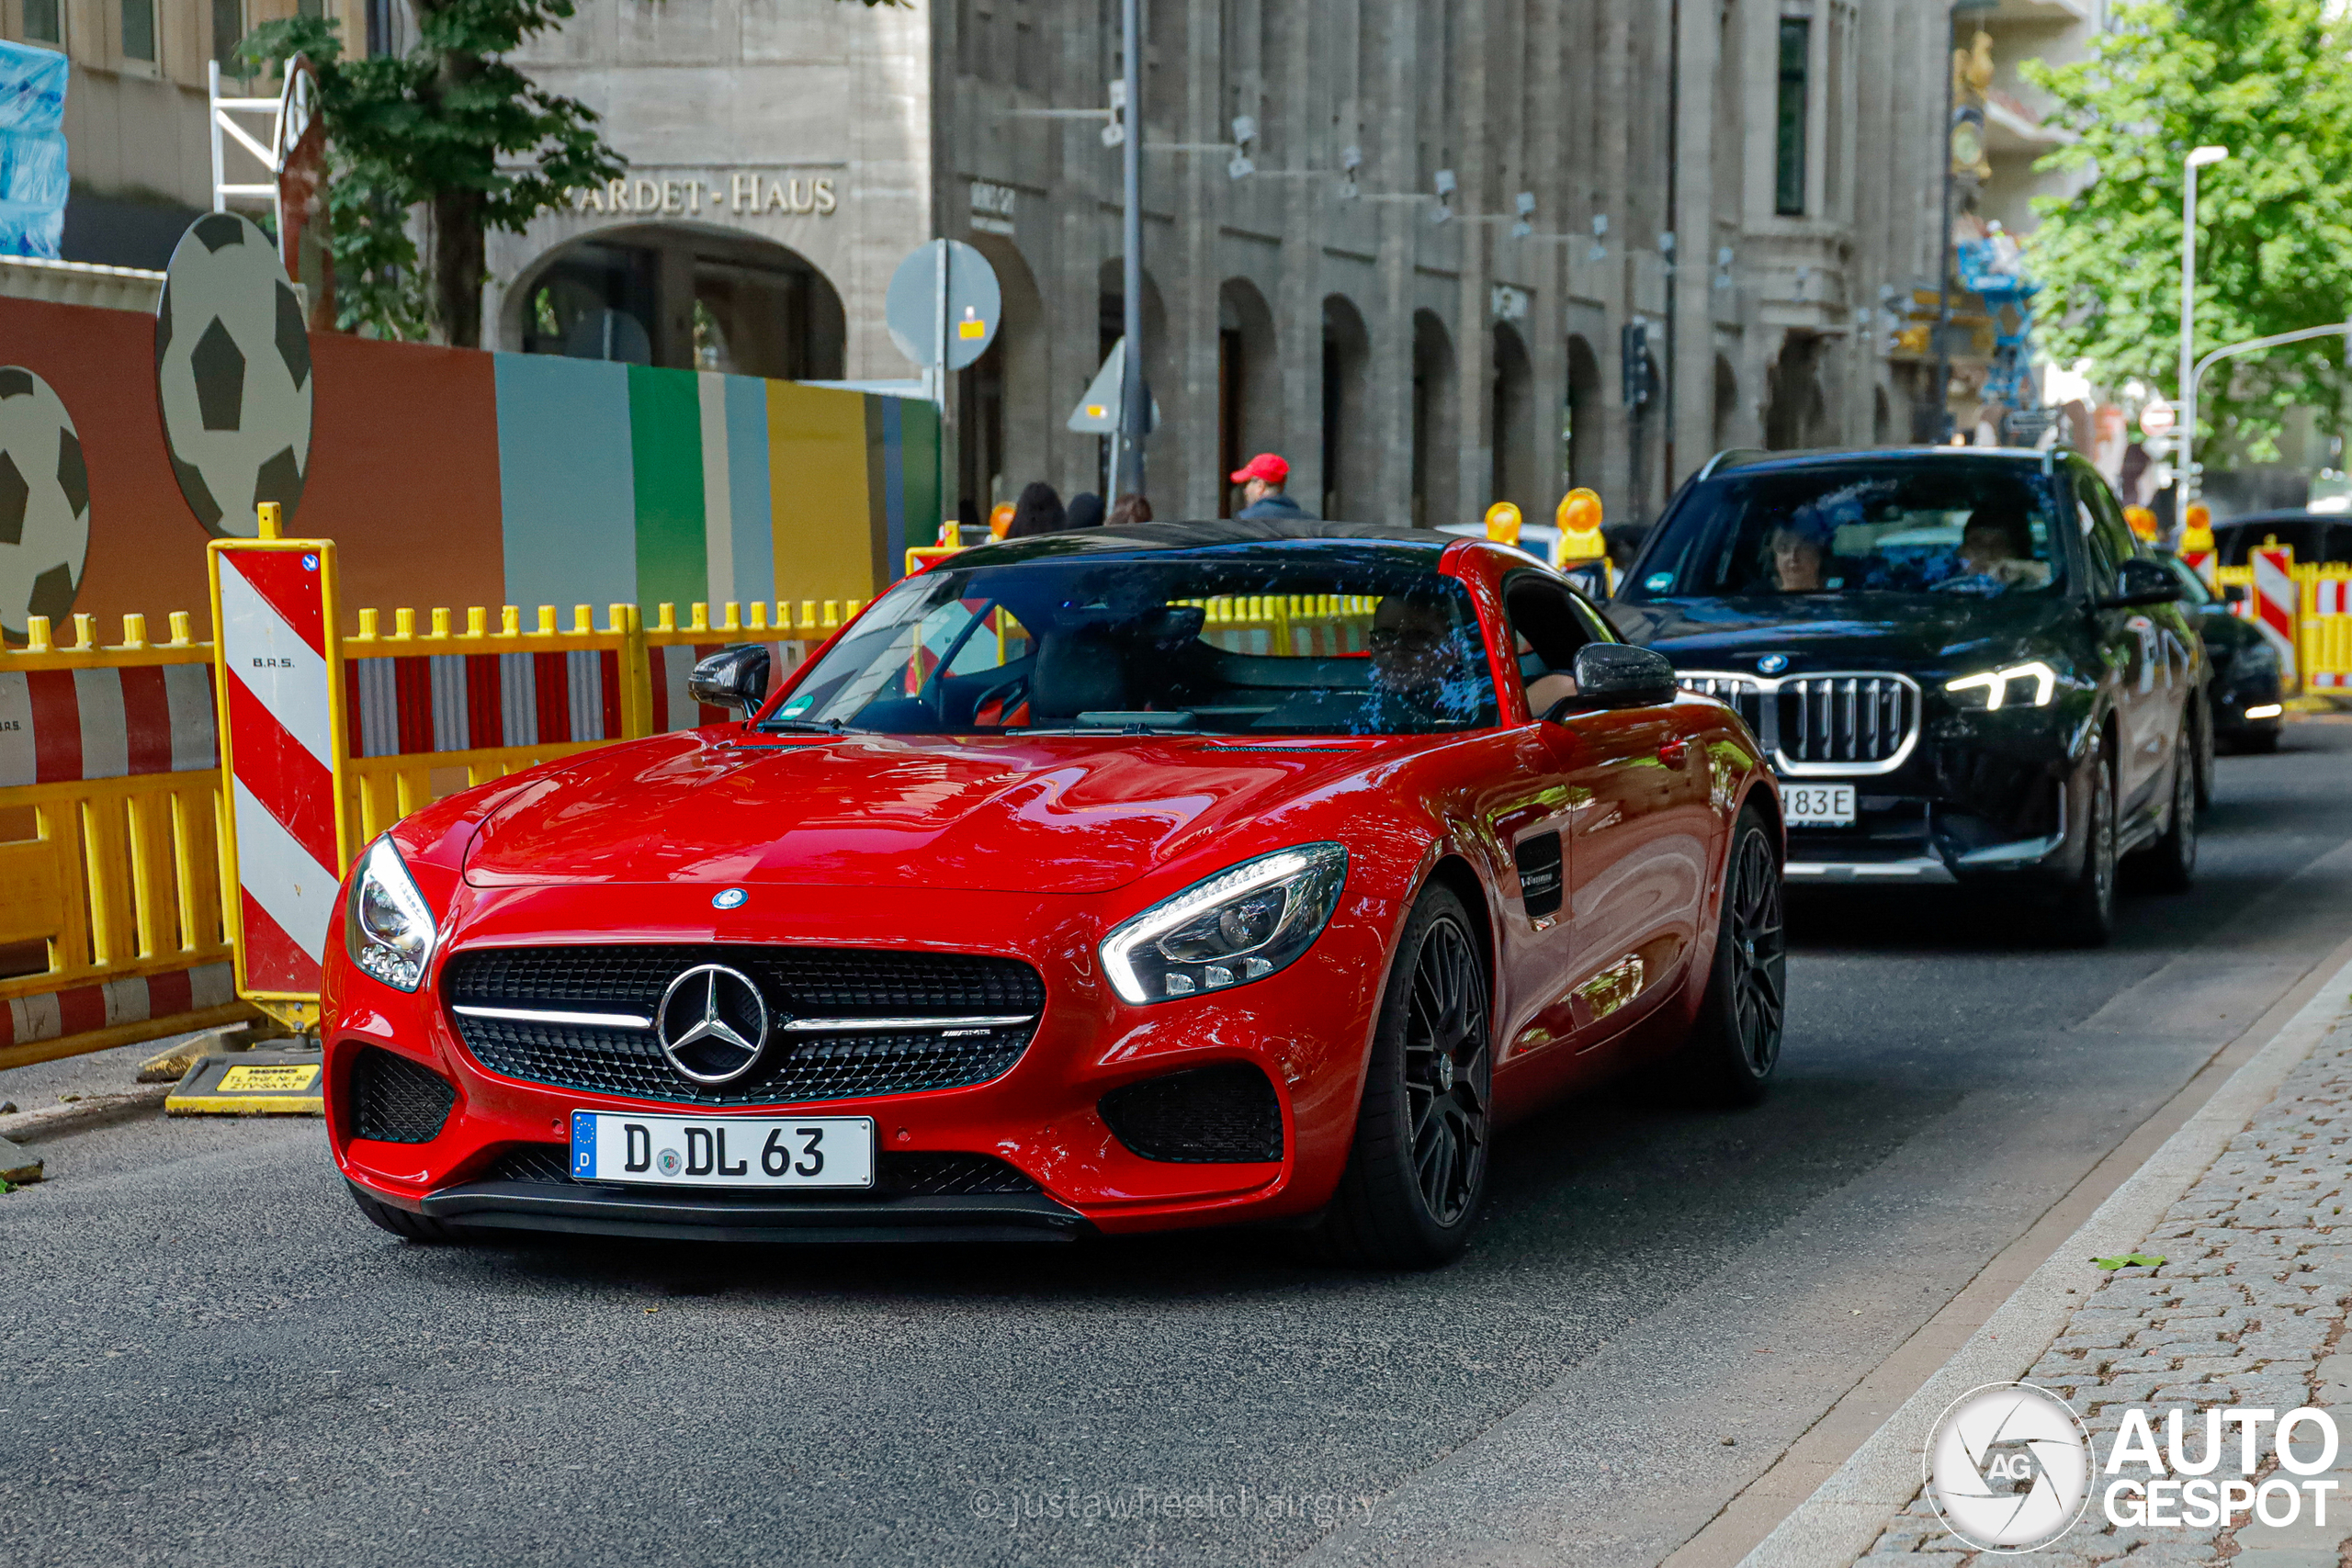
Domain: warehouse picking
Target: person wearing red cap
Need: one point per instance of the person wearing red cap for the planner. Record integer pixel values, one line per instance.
(1262, 480)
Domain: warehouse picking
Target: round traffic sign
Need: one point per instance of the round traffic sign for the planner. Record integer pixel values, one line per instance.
(975, 305)
(2156, 418)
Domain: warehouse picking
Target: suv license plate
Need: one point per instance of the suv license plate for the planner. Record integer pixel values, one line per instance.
(723, 1151)
(1818, 806)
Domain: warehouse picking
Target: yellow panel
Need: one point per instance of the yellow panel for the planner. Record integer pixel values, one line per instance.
(820, 512)
(32, 904)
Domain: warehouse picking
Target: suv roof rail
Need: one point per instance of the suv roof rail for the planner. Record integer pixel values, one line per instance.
(1731, 457)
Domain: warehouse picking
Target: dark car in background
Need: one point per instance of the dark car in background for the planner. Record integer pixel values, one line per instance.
(2245, 699)
(2321, 536)
(1959, 662)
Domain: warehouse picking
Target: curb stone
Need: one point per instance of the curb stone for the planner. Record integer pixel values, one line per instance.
(2297, 1085)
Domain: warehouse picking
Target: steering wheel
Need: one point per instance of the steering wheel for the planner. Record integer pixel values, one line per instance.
(1017, 683)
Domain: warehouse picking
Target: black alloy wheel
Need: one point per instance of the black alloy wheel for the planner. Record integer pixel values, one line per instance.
(1417, 1171)
(1733, 1047)
(2085, 915)
(2171, 861)
(1447, 1072)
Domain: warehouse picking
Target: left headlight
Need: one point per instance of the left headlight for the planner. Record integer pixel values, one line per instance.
(1996, 684)
(1241, 925)
(388, 927)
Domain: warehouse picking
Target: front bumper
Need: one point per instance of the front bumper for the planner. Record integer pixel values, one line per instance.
(1307, 1029)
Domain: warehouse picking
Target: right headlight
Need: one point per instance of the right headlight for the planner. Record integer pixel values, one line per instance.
(1241, 925)
(389, 928)
(1994, 684)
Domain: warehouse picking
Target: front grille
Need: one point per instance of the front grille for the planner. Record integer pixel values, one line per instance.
(794, 982)
(1858, 723)
(1220, 1113)
(395, 1100)
(912, 1174)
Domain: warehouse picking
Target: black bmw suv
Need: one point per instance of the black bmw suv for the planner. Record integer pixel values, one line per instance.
(1959, 662)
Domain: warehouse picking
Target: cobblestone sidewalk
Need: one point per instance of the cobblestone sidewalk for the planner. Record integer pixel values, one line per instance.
(2248, 1311)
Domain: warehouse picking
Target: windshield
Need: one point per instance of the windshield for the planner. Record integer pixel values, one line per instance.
(1938, 525)
(1335, 640)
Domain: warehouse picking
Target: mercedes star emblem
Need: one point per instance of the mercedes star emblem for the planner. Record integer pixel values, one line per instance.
(712, 1023)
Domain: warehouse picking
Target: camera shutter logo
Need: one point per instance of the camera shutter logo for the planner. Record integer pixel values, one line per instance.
(712, 1024)
(2008, 1467)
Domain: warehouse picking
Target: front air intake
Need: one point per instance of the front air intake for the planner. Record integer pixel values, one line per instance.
(1227, 1112)
(396, 1100)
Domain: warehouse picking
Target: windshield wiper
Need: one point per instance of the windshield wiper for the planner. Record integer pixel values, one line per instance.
(805, 727)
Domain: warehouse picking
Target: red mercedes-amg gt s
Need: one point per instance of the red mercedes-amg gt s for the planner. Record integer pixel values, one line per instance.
(1100, 881)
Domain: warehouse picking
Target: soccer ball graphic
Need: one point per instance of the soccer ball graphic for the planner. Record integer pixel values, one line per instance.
(232, 373)
(44, 503)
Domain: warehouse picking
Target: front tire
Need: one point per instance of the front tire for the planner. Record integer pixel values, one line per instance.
(2171, 861)
(402, 1223)
(1734, 1047)
(2084, 916)
(1417, 1171)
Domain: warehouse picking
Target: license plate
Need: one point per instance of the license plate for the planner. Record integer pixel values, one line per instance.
(723, 1151)
(1818, 806)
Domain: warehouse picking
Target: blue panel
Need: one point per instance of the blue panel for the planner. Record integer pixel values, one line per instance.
(567, 482)
(749, 499)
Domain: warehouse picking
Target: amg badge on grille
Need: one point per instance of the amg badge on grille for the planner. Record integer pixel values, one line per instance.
(712, 1023)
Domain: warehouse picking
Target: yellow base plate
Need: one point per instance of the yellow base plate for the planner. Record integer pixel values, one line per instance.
(252, 1083)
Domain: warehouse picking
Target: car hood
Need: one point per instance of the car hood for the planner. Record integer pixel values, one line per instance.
(1063, 813)
(1851, 631)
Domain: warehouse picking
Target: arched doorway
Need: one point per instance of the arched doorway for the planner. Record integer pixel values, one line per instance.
(1249, 385)
(1797, 413)
(1514, 477)
(1351, 457)
(1726, 404)
(684, 298)
(1437, 490)
(1581, 427)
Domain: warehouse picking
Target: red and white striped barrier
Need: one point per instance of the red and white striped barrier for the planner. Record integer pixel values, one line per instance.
(2331, 597)
(470, 702)
(281, 734)
(2207, 565)
(2271, 607)
(61, 725)
(85, 1009)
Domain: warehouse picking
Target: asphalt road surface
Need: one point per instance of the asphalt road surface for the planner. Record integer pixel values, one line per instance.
(207, 1357)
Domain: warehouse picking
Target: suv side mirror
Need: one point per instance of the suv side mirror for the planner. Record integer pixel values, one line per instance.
(734, 677)
(1618, 675)
(2141, 583)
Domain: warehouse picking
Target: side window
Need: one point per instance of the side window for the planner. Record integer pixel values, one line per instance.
(1548, 625)
(2106, 538)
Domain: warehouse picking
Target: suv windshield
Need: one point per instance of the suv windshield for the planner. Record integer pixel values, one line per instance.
(1900, 526)
(1332, 641)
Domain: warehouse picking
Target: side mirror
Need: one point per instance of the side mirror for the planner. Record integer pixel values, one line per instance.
(1617, 675)
(734, 677)
(2141, 583)
(2234, 593)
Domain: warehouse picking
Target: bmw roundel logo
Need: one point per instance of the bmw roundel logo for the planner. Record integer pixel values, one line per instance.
(1772, 664)
(729, 898)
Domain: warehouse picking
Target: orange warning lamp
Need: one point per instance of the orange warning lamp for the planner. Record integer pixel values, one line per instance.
(999, 519)
(1502, 523)
(1579, 520)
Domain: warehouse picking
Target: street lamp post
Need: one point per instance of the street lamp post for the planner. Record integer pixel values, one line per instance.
(1943, 256)
(2187, 486)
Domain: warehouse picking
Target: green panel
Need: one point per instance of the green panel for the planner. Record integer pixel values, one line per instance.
(665, 443)
(919, 450)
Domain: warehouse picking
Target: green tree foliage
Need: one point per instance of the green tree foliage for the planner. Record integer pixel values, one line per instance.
(2266, 79)
(449, 134)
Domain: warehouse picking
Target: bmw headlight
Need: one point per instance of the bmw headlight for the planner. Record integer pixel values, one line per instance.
(1241, 925)
(1999, 686)
(389, 927)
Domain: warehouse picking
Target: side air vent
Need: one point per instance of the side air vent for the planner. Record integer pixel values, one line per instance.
(395, 1100)
(1227, 1112)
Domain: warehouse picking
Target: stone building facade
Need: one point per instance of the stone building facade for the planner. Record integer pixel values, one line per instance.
(1416, 283)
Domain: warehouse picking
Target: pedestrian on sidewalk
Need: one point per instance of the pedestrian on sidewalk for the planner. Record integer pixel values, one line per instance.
(1039, 511)
(1262, 481)
(1085, 512)
(1131, 508)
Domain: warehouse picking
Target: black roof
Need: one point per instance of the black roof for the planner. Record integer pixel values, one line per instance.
(2286, 514)
(1143, 538)
(1746, 459)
